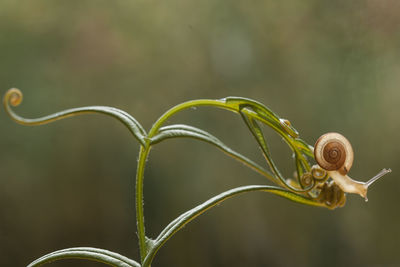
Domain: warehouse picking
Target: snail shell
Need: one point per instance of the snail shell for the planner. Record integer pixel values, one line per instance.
(333, 152)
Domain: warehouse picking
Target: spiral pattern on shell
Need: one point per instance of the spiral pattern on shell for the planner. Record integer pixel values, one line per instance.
(333, 151)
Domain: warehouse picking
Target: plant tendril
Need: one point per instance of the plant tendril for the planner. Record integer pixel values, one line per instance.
(14, 97)
(311, 185)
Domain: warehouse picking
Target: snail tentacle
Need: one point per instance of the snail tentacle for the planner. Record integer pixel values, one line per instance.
(379, 175)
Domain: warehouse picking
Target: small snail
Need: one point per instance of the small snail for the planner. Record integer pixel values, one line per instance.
(333, 153)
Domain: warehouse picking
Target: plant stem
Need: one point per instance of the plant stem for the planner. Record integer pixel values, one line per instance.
(143, 154)
(146, 253)
(185, 105)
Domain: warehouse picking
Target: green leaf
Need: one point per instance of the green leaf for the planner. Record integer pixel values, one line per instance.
(253, 111)
(14, 97)
(181, 130)
(264, 112)
(241, 102)
(304, 147)
(87, 253)
(259, 136)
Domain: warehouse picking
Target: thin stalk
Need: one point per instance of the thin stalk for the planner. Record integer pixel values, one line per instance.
(143, 154)
(186, 105)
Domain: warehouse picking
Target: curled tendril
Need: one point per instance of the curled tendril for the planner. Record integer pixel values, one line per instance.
(307, 180)
(321, 189)
(331, 195)
(14, 97)
(315, 185)
(318, 173)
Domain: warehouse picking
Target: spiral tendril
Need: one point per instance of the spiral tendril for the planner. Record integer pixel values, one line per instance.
(307, 180)
(318, 173)
(331, 195)
(14, 97)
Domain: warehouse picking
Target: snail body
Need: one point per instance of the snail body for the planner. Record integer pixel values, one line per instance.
(349, 185)
(334, 153)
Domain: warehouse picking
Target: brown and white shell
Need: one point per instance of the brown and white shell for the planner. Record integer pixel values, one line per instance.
(333, 151)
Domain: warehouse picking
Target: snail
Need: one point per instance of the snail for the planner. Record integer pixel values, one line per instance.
(333, 153)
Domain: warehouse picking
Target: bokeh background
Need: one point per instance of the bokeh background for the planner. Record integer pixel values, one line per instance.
(325, 65)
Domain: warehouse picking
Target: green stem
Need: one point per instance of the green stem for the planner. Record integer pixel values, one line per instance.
(185, 105)
(143, 154)
(147, 254)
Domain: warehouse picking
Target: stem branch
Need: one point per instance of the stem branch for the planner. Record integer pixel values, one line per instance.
(143, 154)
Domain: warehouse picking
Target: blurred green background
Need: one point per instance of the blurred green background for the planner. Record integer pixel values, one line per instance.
(325, 65)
